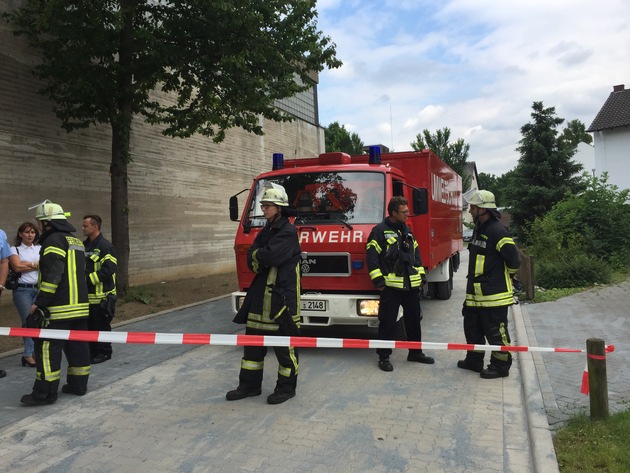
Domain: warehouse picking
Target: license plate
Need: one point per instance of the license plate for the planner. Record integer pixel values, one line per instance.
(314, 305)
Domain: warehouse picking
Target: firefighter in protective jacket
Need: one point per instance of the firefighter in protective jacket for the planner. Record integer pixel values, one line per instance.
(62, 303)
(494, 260)
(395, 266)
(100, 269)
(272, 303)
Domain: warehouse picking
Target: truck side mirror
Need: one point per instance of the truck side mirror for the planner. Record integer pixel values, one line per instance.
(420, 201)
(234, 208)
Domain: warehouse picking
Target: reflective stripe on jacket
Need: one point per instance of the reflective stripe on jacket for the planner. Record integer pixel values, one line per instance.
(493, 260)
(393, 257)
(275, 258)
(100, 267)
(62, 286)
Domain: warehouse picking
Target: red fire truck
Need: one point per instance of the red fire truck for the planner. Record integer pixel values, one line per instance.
(336, 199)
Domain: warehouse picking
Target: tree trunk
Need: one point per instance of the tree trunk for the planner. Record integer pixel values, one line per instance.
(121, 137)
(120, 210)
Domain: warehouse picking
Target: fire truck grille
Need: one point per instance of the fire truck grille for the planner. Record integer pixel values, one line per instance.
(325, 264)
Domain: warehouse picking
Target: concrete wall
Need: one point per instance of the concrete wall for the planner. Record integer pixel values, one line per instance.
(178, 189)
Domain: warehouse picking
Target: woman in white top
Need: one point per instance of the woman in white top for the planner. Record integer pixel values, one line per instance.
(24, 259)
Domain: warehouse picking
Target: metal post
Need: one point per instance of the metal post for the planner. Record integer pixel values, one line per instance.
(597, 380)
(526, 274)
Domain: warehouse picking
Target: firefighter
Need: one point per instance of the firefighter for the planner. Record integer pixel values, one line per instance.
(494, 260)
(395, 266)
(100, 272)
(62, 303)
(272, 304)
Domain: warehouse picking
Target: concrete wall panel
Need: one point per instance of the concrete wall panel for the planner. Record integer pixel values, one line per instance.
(178, 188)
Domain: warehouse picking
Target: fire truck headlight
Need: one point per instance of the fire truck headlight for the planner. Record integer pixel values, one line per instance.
(368, 307)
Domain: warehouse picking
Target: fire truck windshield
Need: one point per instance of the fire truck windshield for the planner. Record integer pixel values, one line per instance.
(328, 197)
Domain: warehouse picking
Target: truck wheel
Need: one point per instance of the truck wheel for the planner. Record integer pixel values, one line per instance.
(425, 291)
(455, 261)
(444, 290)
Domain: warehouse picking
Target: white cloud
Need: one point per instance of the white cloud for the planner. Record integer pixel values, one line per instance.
(475, 66)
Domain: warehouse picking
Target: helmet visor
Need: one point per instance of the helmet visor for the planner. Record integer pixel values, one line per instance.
(480, 198)
(473, 197)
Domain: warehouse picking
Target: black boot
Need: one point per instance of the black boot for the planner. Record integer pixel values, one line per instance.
(241, 393)
(278, 397)
(493, 372)
(467, 364)
(66, 388)
(100, 358)
(31, 400)
(420, 357)
(384, 364)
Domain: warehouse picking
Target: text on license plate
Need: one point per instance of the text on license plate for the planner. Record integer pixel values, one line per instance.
(313, 305)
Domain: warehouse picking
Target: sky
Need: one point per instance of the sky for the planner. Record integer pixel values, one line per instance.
(474, 66)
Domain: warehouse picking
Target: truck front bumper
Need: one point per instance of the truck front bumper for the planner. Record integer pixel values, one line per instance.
(323, 310)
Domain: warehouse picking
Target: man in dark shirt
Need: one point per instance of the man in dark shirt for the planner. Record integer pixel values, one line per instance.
(393, 259)
(100, 272)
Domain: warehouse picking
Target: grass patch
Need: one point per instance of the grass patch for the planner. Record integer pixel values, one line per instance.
(139, 295)
(553, 294)
(584, 445)
(550, 295)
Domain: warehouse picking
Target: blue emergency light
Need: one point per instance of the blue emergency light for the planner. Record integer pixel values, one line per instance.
(278, 161)
(375, 155)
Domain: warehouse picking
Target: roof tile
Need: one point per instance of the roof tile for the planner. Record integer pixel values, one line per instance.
(616, 111)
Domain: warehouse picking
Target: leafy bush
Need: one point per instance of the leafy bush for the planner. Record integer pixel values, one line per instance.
(583, 238)
(578, 270)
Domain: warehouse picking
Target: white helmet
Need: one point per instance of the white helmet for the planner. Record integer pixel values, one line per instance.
(481, 198)
(49, 211)
(275, 195)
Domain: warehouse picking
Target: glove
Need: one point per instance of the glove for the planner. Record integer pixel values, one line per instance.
(464, 310)
(38, 319)
(516, 284)
(287, 325)
(108, 307)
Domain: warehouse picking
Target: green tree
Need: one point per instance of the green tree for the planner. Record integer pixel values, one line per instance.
(220, 64)
(339, 139)
(488, 182)
(503, 186)
(545, 172)
(454, 154)
(575, 133)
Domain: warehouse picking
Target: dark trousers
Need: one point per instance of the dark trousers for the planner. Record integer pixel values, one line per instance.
(98, 321)
(252, 364)
(391, 300)
(491, 324)
(48, 359)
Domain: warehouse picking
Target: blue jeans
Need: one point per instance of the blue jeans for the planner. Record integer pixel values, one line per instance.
(23, 298)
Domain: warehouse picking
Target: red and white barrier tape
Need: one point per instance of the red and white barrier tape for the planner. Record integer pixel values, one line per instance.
(154, 338)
